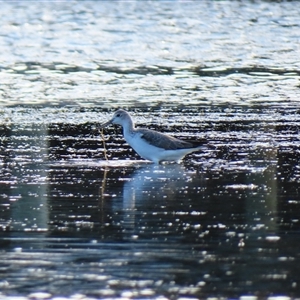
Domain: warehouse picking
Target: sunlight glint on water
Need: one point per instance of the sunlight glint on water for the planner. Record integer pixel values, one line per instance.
(224, 224)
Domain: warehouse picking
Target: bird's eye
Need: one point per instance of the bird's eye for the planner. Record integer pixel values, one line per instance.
(118, 115)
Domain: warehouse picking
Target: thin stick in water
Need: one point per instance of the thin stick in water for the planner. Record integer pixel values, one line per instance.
(104, 147)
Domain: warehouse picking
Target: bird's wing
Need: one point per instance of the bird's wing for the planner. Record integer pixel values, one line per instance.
(163, 141)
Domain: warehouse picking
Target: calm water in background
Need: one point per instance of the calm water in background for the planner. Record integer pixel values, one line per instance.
(223, 224)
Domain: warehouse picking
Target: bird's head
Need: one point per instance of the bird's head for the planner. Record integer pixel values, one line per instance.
(120, 117)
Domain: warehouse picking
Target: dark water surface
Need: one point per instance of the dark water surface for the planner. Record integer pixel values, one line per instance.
(224, 224)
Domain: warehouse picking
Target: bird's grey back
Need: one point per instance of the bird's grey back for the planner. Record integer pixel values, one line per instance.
(163, 141)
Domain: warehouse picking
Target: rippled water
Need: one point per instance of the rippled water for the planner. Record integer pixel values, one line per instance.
(149, 53)
(224, 224)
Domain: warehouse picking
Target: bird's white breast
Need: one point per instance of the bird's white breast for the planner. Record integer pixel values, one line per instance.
(142, 147)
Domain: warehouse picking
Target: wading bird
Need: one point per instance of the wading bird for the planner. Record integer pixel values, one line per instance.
(149, 144)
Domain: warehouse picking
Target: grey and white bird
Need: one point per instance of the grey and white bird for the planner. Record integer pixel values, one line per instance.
(149, 144)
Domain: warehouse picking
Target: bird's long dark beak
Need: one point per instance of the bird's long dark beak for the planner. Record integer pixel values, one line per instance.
(105, 124)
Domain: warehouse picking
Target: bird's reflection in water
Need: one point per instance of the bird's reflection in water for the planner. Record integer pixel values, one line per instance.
(151, 188)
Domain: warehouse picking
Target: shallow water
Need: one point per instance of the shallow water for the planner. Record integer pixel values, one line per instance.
(223, 224)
